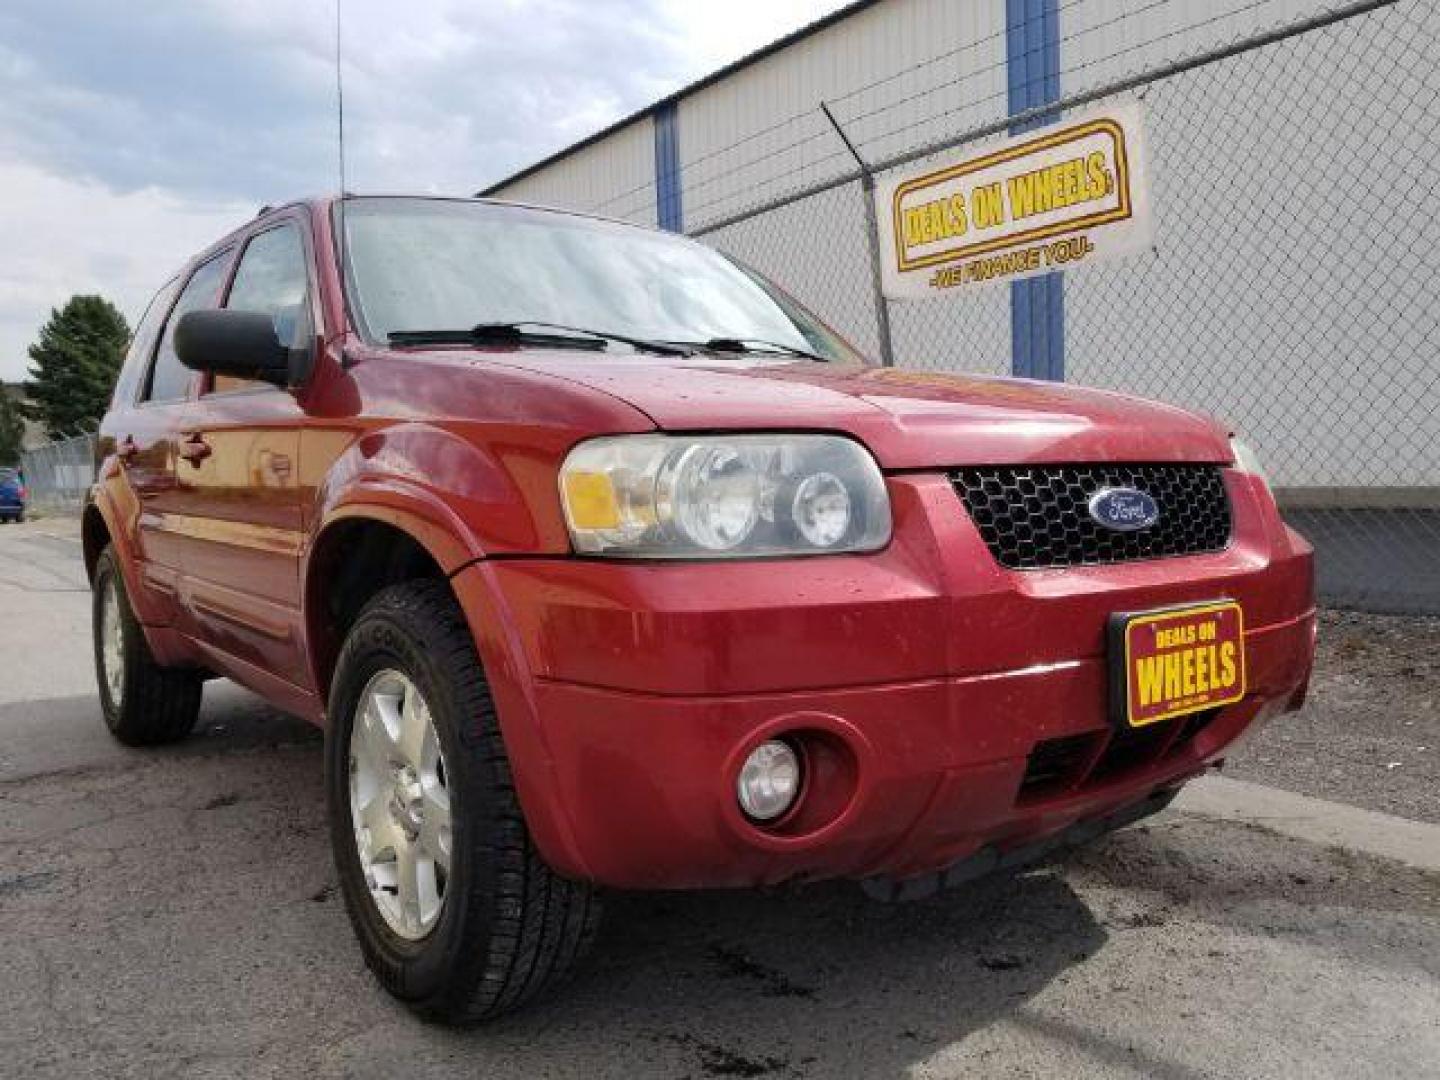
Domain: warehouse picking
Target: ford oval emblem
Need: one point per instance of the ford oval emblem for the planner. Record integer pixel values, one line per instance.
(1123, 509)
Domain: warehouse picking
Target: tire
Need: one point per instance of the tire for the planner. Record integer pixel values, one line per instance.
(143, 703)
(508, 928)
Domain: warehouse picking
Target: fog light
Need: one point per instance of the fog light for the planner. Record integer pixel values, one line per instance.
(769, 781)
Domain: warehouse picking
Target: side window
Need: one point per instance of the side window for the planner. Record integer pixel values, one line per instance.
(142, 344)
(170, 379)
(272, 278)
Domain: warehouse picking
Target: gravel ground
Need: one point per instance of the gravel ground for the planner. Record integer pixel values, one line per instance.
(1370, 732)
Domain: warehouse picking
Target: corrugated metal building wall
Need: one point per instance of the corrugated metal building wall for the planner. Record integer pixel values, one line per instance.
(1315, 345)
(614, 176)
(902, 74)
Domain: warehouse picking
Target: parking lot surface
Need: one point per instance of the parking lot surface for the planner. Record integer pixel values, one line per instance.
(173, 913)
(1370, 733)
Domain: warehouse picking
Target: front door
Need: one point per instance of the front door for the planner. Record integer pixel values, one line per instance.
(237, 475)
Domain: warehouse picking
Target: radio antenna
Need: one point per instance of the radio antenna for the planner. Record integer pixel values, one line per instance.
(340, 140)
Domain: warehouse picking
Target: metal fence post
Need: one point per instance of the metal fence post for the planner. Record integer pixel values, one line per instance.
(872, 228)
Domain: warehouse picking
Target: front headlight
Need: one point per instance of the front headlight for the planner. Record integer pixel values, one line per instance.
(723, 496)
(1246, 461)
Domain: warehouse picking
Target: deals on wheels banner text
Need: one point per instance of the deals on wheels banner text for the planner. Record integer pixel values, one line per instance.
(1047, 200)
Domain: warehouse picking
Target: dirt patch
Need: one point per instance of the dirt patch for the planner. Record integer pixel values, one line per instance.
(733, 963)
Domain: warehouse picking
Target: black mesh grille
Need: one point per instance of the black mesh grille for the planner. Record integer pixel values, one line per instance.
(1038, 516)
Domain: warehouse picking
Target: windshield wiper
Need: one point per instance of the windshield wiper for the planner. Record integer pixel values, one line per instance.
(517, 333)
(750, 345)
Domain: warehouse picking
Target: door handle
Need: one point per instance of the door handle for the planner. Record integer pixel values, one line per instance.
(127, 448)
(194, 449)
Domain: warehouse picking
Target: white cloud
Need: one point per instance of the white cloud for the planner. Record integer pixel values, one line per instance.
(131, 135)
(62, 237)
(722, 32)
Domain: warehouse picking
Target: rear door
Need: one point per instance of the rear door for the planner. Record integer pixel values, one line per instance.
(238, 478)
(144, 433)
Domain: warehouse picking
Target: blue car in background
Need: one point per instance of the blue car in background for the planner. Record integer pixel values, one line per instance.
(12, 495)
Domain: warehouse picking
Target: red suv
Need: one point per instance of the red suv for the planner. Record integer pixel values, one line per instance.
(604, 563)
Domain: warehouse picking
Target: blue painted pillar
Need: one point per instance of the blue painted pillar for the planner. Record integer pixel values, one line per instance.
(669, 213)
(1037, 304)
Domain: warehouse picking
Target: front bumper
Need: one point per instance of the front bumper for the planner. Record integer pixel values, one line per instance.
(951, 705)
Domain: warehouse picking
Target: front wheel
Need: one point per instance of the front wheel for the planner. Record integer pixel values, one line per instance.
(144, 704)
(456, 912)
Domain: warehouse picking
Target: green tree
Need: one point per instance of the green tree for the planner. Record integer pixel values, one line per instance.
(74, 364)
(12, 429)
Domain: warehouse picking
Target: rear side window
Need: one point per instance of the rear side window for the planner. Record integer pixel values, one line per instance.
(169, 379)
(272, 278)
(142, 345)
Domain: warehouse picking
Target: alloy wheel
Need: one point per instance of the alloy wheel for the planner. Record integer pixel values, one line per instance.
(112, 642)
(400, 804)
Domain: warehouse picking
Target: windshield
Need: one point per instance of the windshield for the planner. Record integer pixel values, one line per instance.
(434, 264)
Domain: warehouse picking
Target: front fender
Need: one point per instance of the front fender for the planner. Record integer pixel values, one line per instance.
(469, 498)
(522, 723)
(461, 506)
(422, 514)
(408, 508)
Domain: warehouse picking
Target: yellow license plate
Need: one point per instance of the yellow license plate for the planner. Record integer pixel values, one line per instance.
(1169, 663)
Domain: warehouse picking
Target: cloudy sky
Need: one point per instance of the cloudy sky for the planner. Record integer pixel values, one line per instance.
(132, 134)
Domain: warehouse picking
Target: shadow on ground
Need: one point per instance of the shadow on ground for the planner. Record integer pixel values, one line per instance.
(187, 893)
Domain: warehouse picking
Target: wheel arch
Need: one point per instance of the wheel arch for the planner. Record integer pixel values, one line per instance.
(101, 526)
(95, 535)
(405, 499)
(360, 549)
(382, 544)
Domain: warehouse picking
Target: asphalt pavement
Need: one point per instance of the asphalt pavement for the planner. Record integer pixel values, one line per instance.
(1370, 732)
(173, 913)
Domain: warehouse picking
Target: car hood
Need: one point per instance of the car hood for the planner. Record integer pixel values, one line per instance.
(909, 419)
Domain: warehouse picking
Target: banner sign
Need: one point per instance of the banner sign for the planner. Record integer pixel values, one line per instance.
(1070, 193)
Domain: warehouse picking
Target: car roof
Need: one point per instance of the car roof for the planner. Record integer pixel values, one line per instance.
(322, 204)
(514, 204)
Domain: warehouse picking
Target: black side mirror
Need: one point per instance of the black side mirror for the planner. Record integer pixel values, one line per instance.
(241, 344)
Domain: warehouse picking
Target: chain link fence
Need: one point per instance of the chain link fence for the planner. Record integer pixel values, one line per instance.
(59, 474)
(1294, 286)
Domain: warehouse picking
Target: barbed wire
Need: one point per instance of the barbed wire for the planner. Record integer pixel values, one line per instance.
(822, 133)
(809, 114)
